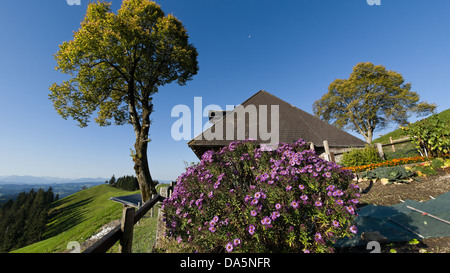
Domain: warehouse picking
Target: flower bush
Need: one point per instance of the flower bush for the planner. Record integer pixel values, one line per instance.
(244, 199)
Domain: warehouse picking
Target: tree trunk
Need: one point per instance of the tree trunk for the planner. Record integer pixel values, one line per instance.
(369, 137)
(142, 170)
(141, 129)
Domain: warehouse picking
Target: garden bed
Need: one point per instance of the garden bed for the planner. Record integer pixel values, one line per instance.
(424, 190)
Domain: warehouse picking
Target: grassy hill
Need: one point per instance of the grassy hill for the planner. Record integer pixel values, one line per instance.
(399, 133)
(77, 217)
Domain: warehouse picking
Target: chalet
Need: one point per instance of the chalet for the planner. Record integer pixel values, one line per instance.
(290, 124)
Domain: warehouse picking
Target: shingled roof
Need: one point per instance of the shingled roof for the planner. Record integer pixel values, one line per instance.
(294, 124)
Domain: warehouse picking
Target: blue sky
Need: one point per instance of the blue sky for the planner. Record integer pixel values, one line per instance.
(291, 48)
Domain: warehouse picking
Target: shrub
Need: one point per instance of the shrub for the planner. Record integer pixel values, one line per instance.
(360, 157)
(431, 136)
(244, 199)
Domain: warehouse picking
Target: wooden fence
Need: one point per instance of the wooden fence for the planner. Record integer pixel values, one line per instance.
(330, 156)
(124, 232)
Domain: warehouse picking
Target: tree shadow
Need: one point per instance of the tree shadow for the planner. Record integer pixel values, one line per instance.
(62, 219)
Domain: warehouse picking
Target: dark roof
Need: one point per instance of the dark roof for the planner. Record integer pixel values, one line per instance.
(294, 124)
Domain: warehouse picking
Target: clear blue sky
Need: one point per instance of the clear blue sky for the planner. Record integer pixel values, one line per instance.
(291, 48)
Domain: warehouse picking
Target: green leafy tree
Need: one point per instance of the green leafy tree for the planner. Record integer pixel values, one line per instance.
(369, 100)
(116, 64)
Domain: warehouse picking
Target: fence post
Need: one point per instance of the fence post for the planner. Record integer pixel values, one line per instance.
(170, 189)
(380, 150)
(127, 225)
(392, 142)
(327, 150)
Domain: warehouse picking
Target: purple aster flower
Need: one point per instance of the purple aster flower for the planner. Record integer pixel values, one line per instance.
(254, 202)
(266, 221)
(302, 187)
(236, 242)
(340, 202)
(229, 247)
(253, 213)
(318, 237)
(216, 219)
(353, 229)
(212, 229)
(257, 195)
(304, 197)
(335, 223)
(278, 206)
(251, 229)
(318, 203)
(264, 177)
(270, 182)
(288, 188)
(338, 193)
(294, 204)
(327, 174)
(275, 215)
(350, 209)
(247, 198)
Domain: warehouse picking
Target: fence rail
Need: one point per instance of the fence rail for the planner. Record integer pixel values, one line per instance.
(124, 232)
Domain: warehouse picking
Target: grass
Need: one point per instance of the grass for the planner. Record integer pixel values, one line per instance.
(77, 217)
(144, 234)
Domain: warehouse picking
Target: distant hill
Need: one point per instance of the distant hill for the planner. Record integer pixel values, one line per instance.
(27, 179)
(399, 133)
(77, 217)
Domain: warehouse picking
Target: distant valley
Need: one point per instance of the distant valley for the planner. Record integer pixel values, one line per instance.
(11, 191)
(11, 186)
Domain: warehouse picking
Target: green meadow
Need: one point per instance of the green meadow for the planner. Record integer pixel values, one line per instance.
(77, 217)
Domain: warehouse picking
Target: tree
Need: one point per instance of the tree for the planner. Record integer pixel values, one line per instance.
(128, 182)
(112, 181)
(369, 100)
(116, 63)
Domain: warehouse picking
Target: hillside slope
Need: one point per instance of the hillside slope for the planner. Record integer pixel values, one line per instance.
(77, 217)
(399, 133)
